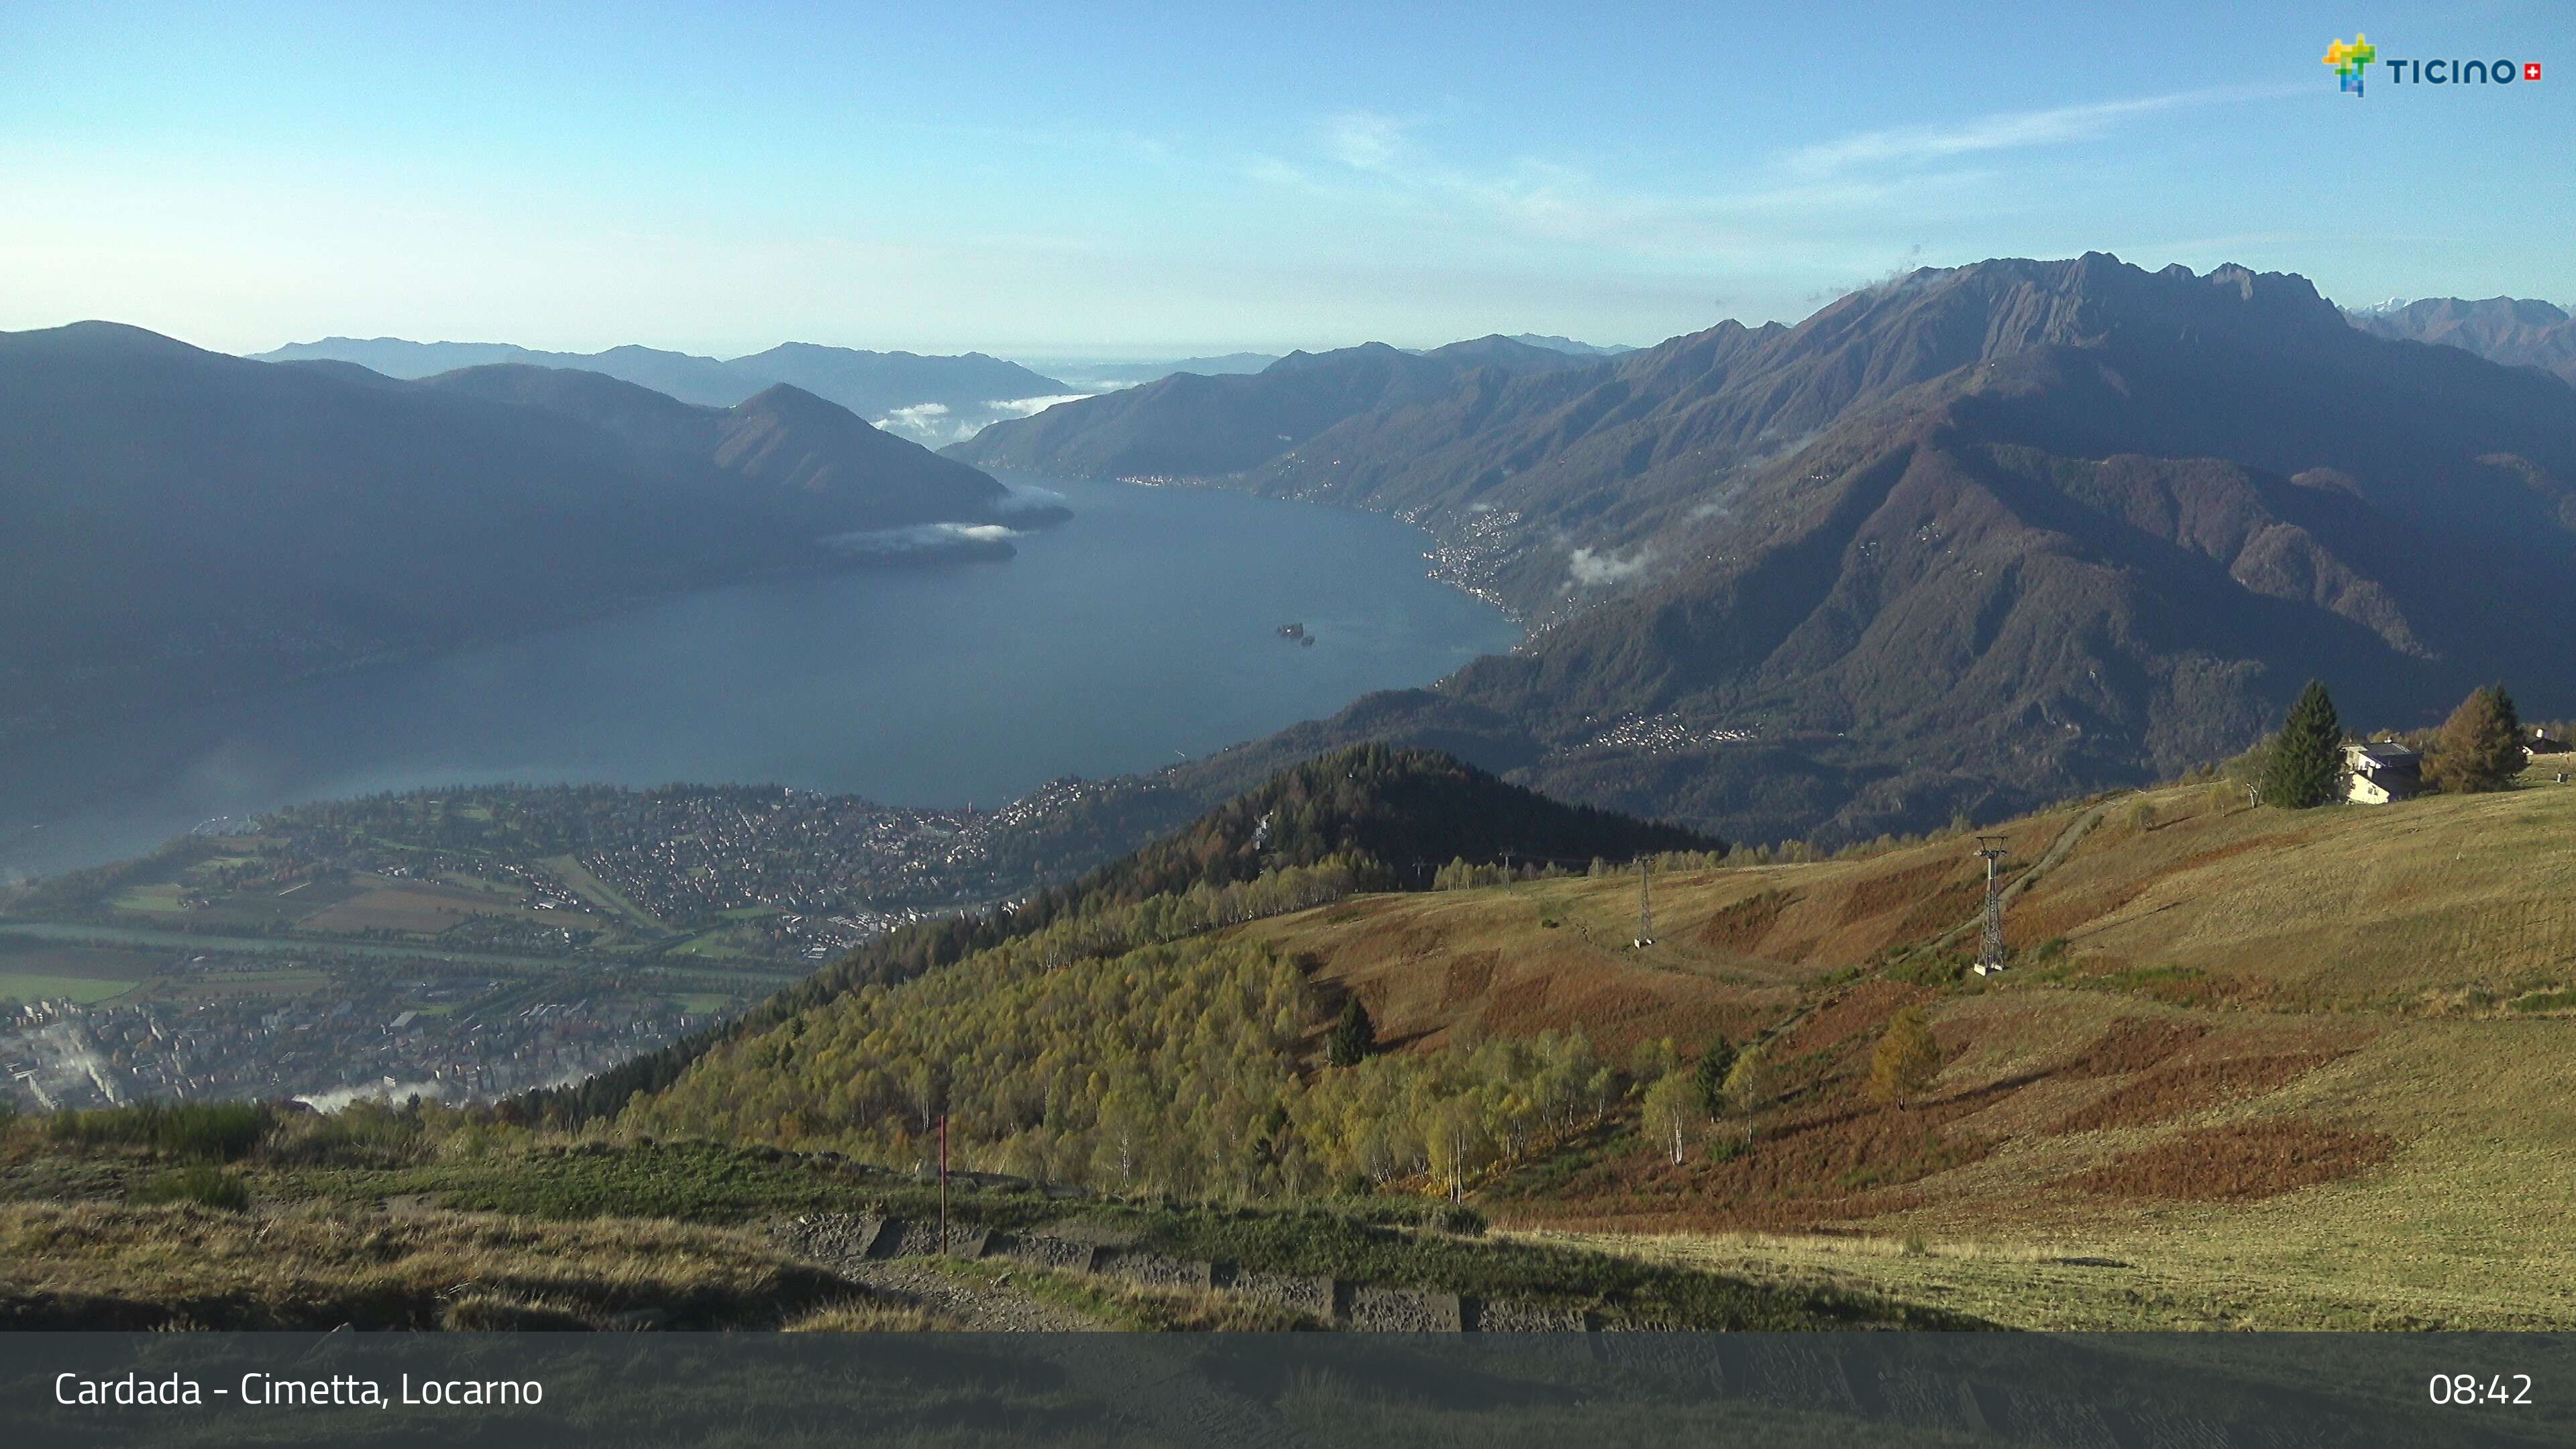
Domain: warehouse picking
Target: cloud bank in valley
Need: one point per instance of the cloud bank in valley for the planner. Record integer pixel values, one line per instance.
(936, 425)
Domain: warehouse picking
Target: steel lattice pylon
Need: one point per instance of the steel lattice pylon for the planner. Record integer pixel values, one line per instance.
(1990, 943)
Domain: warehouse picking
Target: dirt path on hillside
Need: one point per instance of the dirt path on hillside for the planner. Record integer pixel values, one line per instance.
(2058, 849)
(2049, 859)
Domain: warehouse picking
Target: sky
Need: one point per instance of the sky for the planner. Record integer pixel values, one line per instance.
(1110, 181)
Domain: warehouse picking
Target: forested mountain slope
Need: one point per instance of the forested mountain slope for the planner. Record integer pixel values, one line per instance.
(1968, 541)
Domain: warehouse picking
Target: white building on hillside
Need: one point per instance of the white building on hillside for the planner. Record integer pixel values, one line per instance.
(2379, 772)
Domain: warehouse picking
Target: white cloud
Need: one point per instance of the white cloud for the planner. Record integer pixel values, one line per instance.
(2000, 131)
(1031, 406)
(1374, 158)
(1366, 140)
(1600, 569)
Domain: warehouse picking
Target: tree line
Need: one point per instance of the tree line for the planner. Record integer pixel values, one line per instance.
(2477, 750)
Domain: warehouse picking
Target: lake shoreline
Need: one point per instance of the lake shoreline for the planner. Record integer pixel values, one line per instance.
(1140, 631)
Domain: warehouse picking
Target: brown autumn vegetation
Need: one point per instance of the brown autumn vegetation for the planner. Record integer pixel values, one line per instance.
(2239, 1162)
(2190, 1085)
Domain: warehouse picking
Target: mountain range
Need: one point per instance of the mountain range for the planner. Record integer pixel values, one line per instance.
(1106, 376)
(928, 398)
(1974, 539)
(2518, 332)
(178, 522)
(1193, 425)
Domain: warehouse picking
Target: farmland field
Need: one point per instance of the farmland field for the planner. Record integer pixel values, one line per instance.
(23, 986)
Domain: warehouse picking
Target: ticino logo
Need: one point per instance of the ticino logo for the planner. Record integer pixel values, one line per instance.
(2351, 62)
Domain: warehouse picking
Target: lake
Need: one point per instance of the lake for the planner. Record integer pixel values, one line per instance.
(1142, 631)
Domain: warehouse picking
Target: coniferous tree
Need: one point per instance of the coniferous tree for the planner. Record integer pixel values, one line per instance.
(1353, 1038)
(1709, 1077)
(2305, 763)
(2480, 746)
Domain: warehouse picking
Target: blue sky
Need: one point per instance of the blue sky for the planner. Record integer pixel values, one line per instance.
(1108, 180)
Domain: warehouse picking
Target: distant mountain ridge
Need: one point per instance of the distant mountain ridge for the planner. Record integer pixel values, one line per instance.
(1190, 426)
(1974, 539)
(1103, 376)
(179, 522)
(875, 385)
(1568, 344)
(2515, 331)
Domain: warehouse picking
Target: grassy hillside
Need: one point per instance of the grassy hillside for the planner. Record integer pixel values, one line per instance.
(2250, 1067)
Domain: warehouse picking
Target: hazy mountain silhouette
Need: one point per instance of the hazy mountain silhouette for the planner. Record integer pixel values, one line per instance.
(2517, 332)
(1568, 344)
(870, 384)
(1102, 376)
(178, 521)
(1195, 426)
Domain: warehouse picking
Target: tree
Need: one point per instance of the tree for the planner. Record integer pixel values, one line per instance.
(1751, 1084)
(1907, 1058)
(1353, 1038)
(1456, 1141)
(1653, 1060)
(2480, 746)
(1671, 1105)
(1709, 1077)
(2305, 762)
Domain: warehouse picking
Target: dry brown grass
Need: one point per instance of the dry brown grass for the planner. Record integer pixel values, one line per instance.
(95, 1265)
(2242, 1162)
(2190, 1085)
(2225, 969)
(2133, 1044)
(869, 1317)
(1741, 926)
(1877, 893)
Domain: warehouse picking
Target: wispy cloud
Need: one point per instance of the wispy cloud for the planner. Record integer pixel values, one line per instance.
(1383, 157)
(2000, 131)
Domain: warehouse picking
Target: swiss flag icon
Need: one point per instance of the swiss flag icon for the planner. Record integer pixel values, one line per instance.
(2531, 70)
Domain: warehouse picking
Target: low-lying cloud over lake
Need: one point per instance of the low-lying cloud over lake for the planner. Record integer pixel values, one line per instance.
(936, 425)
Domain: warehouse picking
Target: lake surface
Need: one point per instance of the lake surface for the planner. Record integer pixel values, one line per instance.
(1138, 633)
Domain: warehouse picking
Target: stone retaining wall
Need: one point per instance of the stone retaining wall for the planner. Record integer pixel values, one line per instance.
(1363, 1306)
(1404, 1310)
(1155, 1269)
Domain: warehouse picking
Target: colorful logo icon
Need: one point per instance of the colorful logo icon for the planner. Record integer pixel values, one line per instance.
(2350, 61)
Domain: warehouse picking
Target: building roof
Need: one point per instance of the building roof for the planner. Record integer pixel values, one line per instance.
(2378, 755)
